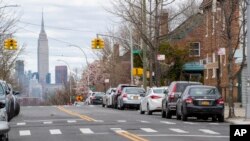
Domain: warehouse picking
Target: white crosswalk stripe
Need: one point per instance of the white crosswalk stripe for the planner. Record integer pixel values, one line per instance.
(191, 123)
(47, 122)
(178, 130)
(24, 133)
(121, 121)
(149, 130)
(55, 131)
(115, 129)
(71, 121)
(167, 122)
(207, 131)
(86, 131)
(21, 123)
(99, 121)
(214, 123)
(143, 121)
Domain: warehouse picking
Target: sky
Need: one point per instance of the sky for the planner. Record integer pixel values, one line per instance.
(83, 19)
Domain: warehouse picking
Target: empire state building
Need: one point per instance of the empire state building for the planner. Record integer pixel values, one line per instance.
(43, 56)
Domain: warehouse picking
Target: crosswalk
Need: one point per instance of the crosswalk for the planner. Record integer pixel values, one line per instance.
(71, 121)
(89, 131)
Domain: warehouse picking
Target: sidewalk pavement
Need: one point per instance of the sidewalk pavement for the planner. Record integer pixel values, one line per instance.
(239, 113)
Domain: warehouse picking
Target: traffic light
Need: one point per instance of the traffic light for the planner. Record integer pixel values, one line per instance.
(93, 44)
(10, 44)
(137, 71)
(98, 41)
(101, 44)
(6, 44)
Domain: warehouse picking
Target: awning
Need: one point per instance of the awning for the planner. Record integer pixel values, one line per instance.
(193, 66)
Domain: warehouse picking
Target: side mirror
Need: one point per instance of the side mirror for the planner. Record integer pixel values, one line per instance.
(166, 92)
(16, 92)
(2, 105)
(7, 92)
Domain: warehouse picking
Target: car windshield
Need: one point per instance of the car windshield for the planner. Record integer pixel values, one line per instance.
(134, 90)
(1, 90)
(180, 87)
(158, 91)
(98, 94)
(202, 91)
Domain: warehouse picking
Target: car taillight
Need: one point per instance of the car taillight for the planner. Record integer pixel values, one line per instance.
(171, 95)
(220, 101)
(155, 97)
(124, 95)
(189, 100)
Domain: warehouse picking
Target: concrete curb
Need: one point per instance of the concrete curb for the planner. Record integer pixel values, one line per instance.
(238, 121)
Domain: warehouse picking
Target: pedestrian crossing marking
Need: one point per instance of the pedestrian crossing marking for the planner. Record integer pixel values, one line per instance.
(209, 131)
(47, 122)
(149, 130)
(21, 123)
(191, 123)
(24, 133)
(71, 121)
(55, 131)
(86, 131)
(167, 122)
(143, 121)
(121, 121)
(177, 130)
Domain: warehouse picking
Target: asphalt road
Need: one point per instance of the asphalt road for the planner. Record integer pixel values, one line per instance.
(94, 123)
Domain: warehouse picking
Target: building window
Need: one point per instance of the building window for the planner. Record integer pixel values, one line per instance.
(213, 24)
(207, 25)
(194, 49)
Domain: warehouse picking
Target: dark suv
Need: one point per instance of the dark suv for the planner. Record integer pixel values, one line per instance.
(175, 89)
(118, 92)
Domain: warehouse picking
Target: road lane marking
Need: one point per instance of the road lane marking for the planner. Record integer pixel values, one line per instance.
(130, 136)
(143, 121)
(99, 121)
(24, 133)
(86, 131)
(167, 122)
(191, 123)
(84, 117)
(47, 122)
(214, 123)
(21, 123)
(149, 130)
(55, 131)
(185, 135)
(207, 131)
(115, 129)
(71, 121)
(121, 121)
(178, 130)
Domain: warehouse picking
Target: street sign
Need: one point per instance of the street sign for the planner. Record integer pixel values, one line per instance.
(79, 98)
(106, 81)
(160, 57)
(221, 51)
(137, 71)
(136, 51)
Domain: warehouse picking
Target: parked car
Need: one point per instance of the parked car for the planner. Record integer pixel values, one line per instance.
(6, 96)
(175, 89)
(16, 103)
(152, 102)
(97, 98)
(118, 92)
(130, 97)
(89, 98)
(4, 126)
(110, 98)
(107, 97)
(201, 102)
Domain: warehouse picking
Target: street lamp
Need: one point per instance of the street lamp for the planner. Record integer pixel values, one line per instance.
(70, 100)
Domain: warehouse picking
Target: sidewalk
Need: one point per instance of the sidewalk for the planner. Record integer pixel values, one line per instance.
(239, 113)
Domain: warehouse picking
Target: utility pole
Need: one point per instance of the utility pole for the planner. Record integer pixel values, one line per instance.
(248, 62)
(144, 46)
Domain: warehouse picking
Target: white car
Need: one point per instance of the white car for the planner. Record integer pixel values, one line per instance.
(107, 99)
(152, 102)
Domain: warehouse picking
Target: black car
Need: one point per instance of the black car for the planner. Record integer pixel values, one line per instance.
(175, 89)
(97, 98)
(201, 102)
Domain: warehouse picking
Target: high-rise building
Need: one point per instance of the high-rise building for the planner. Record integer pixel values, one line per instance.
(43, 55)
(19, 68)
(61, 74)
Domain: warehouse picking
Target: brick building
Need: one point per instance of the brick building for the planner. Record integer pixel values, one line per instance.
(204, 35)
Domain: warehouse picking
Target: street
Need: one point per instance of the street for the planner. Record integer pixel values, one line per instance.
(95, 123)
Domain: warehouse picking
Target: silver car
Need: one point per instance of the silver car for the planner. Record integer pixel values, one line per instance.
(130, 97)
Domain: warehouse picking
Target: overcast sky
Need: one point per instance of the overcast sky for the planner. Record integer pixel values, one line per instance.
(88, 16)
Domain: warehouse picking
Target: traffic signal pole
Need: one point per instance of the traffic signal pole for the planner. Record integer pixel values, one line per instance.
(131, 55)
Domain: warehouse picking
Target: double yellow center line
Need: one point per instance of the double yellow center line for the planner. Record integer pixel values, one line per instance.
(84, 117)
(130, 136)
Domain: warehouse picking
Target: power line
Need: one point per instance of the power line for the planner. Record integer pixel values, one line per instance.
(60, 28)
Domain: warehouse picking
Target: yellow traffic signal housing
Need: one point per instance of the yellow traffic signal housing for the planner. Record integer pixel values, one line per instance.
(93, 44)
(6, 44)
(134, 71)
(140, 71)
(102, 44)
(98, 42)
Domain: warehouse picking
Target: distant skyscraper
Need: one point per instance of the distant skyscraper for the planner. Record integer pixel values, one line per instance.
(43, 55)
(19, 68)
(61, 74)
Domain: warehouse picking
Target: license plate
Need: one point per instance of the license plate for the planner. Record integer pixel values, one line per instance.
(135, 97)
(205, 103)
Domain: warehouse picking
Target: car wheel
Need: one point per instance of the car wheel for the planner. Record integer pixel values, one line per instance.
(122, 107)
(103, 105)
(148, 111)
(221, 118)
(205, 118)
(168, 113)
(17, 109)
(141, 112)
(4, 137)
(214, 118)
(184, 117)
